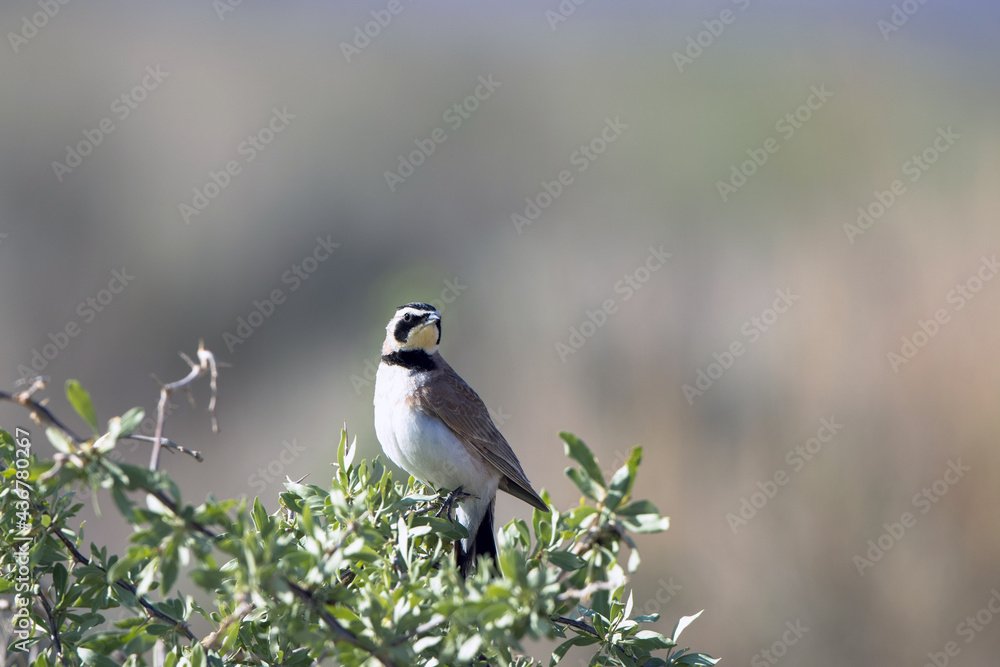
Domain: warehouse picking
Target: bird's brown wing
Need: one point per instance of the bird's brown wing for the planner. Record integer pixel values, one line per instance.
(454, 402)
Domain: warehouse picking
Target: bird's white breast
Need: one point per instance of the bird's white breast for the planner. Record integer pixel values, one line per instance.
(420, 443)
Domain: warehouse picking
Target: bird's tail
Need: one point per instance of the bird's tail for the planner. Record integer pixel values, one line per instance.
(483, 543)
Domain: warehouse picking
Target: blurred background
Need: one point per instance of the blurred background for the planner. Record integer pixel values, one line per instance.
(276, 178)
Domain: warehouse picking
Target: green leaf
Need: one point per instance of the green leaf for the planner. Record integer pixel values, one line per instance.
(260, 518)
(638, 507)
(90, 657)
(566, 560)
(425, 643)
(682, 623)
(623, 479)
(341, 458)
(344, 614)
(198, 658)
(299, 658)
(208, 578)
(80, 400)
(647, 523)
(618, 487)
(121, 568)
(449, 530)
(541, 522)
(560, 651)
(123, 503)
(469, 649)
(524, 535)
(495, 612)
(59, 440)
(60, 577)
(601, 607)
(648, 640)
(157, 629)
(106, 442)
(349, 454)
(579, 452)
(585, 484)
(168, 571)
(633, 561)
(127, 423)
(702, 659)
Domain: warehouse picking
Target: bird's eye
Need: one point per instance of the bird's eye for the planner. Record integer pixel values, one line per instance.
(407, 317)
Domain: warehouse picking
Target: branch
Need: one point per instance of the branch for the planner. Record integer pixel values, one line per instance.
(53, 625)
(589, 589)
(172, 506)
(39, 413)
(211, 642)
(170, 444)
(56, 530)
(576, 624)
(42, 416)
(206, 364)
(150, 609)
(340, 632)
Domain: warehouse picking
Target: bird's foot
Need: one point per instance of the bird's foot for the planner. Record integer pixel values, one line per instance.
(449, 502)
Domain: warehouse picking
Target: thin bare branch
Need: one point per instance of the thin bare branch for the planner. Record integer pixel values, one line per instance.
(169, 444)
(206, 364)
(588, 590)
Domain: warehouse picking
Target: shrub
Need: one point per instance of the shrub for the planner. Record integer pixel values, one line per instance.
(359, 571)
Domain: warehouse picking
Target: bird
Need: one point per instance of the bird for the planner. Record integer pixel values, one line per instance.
(432, 424)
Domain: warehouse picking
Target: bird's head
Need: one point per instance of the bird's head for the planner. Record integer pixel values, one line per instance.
(415, 326)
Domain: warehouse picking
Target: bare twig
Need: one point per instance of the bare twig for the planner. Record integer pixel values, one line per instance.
(169, 444)
(588, 590)
(206, 364)
(44, 418)
(56, 530)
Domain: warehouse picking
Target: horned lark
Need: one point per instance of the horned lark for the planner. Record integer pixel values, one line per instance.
(435, 427)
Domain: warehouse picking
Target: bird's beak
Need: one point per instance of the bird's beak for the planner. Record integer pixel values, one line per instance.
(433, 317)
